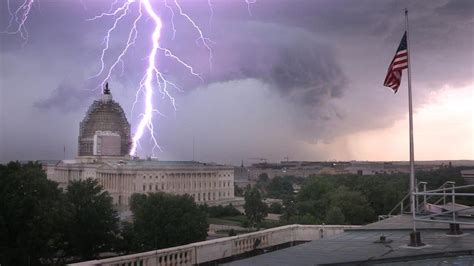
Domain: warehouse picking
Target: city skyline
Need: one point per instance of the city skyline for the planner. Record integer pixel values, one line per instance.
(302, 80)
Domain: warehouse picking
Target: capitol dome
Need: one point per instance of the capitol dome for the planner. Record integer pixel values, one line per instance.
(104, 131)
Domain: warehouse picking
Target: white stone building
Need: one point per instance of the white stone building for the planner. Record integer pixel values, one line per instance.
(104, 142)
(206, 183)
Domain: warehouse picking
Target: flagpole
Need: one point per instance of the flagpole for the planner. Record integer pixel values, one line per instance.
(410, 116)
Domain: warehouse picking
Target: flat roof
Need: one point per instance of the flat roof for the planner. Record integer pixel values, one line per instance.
(145, 164)
(356, 246)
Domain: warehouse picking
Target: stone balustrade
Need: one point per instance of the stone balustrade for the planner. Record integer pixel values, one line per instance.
(211, 250)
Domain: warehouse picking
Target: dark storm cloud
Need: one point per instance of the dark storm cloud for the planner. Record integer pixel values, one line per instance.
(295, 64)
(66, 97)
(320, 63)
(457, 8)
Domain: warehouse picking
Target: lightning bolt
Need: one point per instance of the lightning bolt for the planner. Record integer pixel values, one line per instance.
(20, 16)
(153, 80)
(250, 2)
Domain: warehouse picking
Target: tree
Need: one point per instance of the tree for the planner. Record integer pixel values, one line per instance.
(334, 216)
(303, 219)
(280, 187)
(238, 191)
(263, 177)
(92, 221)
(255, 208)
(126, 240)
(164, 220)
(31, 215)
(289, 210)
(221, 211)
(353, 204)
(276, 207)
(262, 182)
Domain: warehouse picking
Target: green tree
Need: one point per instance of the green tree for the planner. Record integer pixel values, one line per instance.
(262, 182)
(289, 210)
(222, 211)
(255, 208)
(303, 219)
(335, 216)
(238, 191)
(126, 240)
(280, 187)
(164, 220)
(92, 221)
(353, 205)
(31, 215)
(276, 207)
(263, 177)
(313, 197)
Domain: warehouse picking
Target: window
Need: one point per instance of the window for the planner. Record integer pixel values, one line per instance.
(144, 187)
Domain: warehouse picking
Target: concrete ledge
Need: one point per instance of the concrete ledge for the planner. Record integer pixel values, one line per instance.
(216, 249)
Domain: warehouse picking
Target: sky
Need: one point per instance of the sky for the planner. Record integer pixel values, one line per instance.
(287, 78)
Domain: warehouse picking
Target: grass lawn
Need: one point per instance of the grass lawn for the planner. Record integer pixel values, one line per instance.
(239, 219)
(223, 221)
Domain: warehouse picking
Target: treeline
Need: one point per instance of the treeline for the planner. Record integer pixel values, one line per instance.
(40, 224)
(347, 198)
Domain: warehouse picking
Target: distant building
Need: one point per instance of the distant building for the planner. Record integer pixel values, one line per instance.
(468, 176)
(206, 183)
(305, 169)
(104, 144)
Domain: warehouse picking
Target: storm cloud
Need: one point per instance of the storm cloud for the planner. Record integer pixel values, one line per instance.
(296, 65)
(66, 97)
(293, 73)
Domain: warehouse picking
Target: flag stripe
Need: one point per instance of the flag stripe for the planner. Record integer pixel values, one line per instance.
(399, 62)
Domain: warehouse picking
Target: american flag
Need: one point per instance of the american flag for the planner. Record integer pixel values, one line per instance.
(399, 62)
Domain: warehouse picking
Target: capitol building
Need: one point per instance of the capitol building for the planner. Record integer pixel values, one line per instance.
(104, 143)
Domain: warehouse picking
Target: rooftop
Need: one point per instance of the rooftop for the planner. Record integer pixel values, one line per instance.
(359, 246)
(138, 164)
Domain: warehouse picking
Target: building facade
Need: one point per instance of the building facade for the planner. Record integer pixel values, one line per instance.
(104, 144)
(206, 183)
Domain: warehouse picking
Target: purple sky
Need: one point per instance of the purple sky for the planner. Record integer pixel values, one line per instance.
(295, 78)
